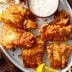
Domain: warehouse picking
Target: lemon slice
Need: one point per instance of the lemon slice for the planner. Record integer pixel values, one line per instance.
(48, 69)
(43, 68)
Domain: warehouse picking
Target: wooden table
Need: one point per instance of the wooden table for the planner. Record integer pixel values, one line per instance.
(7, 66)
(70, 1)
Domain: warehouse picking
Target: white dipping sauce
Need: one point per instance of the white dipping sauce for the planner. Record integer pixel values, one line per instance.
(43, 8)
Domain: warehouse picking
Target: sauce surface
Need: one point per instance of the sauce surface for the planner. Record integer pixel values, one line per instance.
(43, 7)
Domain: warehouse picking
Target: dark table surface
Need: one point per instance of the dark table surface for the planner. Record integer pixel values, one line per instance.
(6, 65)
(70, 2)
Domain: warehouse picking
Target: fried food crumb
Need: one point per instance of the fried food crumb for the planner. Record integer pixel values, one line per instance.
(58, 54)
(32, 57)
(57, 30)
(13, 37)
(18, 16)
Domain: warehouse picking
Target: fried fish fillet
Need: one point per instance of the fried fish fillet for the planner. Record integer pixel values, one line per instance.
(59, 29)
(16, 16)
(13, 14)
(32, 57)
(13, 37)
(58, 54)
(55, 32)
(61, 18)
(30, 22)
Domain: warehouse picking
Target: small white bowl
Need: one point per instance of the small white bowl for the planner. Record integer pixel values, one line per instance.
(43, 8)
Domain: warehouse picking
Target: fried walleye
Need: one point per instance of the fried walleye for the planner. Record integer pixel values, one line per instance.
(58, 54)
(17, 16)
(32, 57)
(12, 37)
(57, 30)
(61, 18)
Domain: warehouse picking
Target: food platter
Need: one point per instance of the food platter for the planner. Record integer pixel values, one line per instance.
(14, 55)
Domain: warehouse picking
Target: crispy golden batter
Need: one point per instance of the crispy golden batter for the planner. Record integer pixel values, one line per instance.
(5, 1)
(55, 32)
(29, 24)
(59, 29)
(13, 37)
(32, 57)
(58, 54)
(16, 16)
(61, 18)
(9, 1)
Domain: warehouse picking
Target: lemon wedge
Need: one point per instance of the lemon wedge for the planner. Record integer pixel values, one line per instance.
(48, 69)
(41, 68)
(44, 68)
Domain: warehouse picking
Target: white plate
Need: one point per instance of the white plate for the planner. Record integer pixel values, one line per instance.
(14, 55)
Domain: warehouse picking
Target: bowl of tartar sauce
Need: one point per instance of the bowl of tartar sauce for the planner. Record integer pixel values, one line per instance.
(43, 8)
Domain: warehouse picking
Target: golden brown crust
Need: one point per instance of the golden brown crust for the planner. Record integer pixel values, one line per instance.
(16, 16)
(13, 37)
(58, 54)
(61, 18)
(55, 32)
(29, 24)
(58, 30)
(13, 14)
(32, 57)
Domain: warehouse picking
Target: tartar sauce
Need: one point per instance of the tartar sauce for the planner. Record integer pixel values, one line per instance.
(43, 8)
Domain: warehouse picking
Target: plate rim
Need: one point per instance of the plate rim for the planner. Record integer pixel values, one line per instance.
(23, 69)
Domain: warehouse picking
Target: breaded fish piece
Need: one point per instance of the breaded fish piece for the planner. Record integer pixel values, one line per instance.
(32, 57)
(58, 54)
(55, 32)
(30, 22)
(13, 37)
(16, 16)
(61, 18)
(59, 29)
